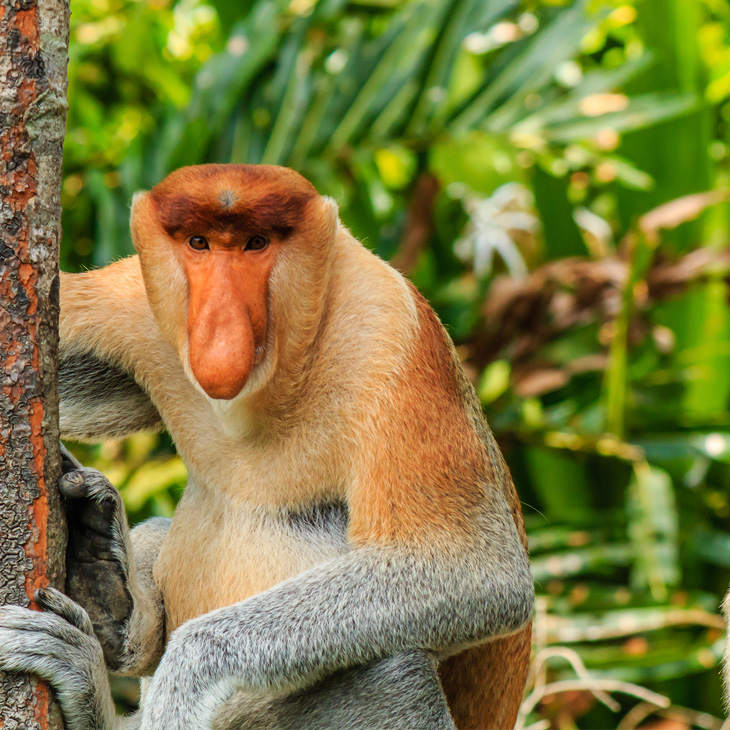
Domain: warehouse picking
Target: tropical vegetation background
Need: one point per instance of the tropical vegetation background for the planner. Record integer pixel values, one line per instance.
(554, 176)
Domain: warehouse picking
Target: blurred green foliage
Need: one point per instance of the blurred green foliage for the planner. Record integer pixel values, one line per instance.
(505, 155)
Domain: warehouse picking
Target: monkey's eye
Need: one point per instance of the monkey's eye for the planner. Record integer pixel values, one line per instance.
(199, 243)
(257, 243)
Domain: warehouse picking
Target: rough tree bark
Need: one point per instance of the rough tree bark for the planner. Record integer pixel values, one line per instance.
(33, 59)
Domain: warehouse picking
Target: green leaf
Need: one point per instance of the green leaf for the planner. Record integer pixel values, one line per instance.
(653, 530)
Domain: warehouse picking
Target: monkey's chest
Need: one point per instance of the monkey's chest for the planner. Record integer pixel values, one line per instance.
(216, 555)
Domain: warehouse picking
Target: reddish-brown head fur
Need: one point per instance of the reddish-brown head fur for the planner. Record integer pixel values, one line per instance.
(226, 207)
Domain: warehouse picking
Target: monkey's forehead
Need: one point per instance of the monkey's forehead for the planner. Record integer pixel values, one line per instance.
(234, 197)
(203, 177)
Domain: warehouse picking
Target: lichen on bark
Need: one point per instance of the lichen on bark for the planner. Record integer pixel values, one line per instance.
(33, 59)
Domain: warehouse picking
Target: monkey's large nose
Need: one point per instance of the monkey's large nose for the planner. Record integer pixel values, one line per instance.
(227, 316)
(221, 345)
(221, 356)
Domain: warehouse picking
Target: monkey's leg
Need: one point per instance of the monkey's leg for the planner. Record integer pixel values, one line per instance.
(109, 570)
(402, 691)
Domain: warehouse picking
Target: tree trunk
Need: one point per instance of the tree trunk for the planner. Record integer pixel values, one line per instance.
(33, 59)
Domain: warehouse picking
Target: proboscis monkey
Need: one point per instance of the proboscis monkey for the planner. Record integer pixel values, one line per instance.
(349, 551)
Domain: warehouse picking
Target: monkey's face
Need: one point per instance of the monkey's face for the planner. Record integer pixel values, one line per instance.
(209, 238)
(228, 284)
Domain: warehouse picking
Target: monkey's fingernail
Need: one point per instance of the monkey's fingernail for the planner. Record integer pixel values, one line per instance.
(72, 484)
(75, 478)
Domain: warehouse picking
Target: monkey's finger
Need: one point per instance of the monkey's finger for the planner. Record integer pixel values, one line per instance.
(68, 460)
(87, 483)
(72, 484)
(40, 623)
(51, 659)
(61, 605)
(15, 644)
(35, 628)
(16, 658)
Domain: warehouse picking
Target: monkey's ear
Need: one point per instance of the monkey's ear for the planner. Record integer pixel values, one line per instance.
(142, 214)
(330, 213)
(330, 204)
(100, 399)
(165, 282)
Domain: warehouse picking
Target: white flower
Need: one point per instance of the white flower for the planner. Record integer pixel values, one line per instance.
(492, 224)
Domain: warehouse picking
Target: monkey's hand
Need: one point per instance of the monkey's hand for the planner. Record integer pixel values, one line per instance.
(59, 645)
(365, 605)
(109, 570)
(97, 557)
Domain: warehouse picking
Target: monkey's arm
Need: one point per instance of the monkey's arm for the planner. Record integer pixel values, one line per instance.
(105, 325)
(371, 603)
(109, 570)
(101, 399)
